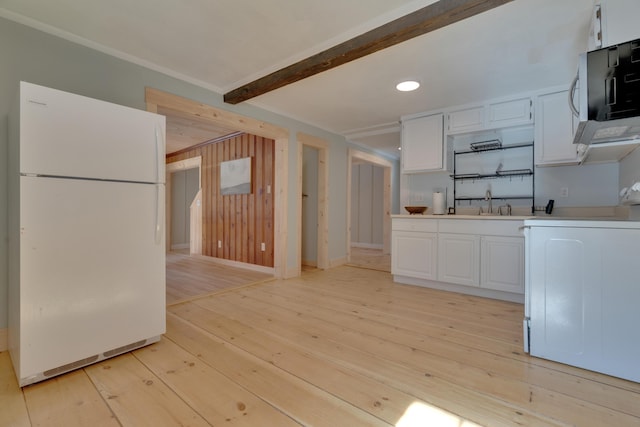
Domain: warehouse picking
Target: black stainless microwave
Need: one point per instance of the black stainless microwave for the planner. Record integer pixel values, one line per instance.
(609, 94)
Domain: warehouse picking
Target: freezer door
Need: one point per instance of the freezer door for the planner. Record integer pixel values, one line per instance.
(92, 270)
(63, 134)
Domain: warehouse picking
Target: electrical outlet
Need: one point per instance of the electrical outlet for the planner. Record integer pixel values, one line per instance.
(263, 247)
(219, 243)
(564, 192)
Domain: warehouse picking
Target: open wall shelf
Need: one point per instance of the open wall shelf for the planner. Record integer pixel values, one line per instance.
(519, 171)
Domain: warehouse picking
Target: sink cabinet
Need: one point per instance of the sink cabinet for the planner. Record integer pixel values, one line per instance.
(502, 266)
(482, 257)
(459, 258)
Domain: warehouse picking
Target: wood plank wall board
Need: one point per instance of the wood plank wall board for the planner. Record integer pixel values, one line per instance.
(259, 205)
(242, 222)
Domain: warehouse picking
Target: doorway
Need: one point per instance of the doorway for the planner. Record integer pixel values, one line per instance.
(158, 100)
(313, 208)
(184, 188)
(369, 211)
(183, 205)
(309, 217)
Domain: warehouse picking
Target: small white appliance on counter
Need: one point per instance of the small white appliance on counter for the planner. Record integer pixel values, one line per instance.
(630, 195)
(582, 291)
(86, 231)
(439, 203)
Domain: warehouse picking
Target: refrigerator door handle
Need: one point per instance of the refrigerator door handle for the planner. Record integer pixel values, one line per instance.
(159, 207)
(159, 154)
(526, 334)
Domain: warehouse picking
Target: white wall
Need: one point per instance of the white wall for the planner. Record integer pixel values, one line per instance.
(367, 205)
(630, 174)
(184, 187)
(309, 205)
(588, 185)
(33, 56)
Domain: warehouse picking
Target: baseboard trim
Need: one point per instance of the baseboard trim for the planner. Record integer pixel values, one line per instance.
(336, 262)
(461, 289)
(180, 246)
(4, 341)
(309, 263)
(238, 264)
(367, 245)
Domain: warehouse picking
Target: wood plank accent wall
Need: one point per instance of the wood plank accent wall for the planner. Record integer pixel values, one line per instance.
(241, 222)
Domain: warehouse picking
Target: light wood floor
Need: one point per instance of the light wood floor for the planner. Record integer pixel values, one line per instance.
(192, 276)
(370, 258)
(343, 347)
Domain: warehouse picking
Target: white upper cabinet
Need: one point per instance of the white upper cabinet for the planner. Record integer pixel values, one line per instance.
(614, 22)
(554, 130)
(492, 115)
(467, 120)
(510, 113)
(423, 144)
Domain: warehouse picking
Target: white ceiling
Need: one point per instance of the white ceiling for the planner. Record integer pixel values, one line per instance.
(221, 44)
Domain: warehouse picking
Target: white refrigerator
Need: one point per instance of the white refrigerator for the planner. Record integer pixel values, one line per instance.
(86, 231)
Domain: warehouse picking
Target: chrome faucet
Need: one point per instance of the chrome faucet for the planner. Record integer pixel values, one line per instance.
(507, 207)
(487, 196)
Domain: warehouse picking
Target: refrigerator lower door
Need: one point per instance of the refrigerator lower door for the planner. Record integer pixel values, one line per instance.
(92, 271)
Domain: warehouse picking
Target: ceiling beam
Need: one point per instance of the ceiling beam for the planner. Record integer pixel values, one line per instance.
(422, 21)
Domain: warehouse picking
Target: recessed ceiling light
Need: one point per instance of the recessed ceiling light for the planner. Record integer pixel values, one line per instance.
(407, 86)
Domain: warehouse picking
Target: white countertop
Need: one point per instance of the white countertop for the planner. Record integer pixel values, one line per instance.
(583, 223)
(540, 221)
(490, 217)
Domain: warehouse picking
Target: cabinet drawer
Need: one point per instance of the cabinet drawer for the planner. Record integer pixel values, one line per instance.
(427, 225)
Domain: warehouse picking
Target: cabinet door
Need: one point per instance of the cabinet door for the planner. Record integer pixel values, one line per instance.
(414, 254)
(554, 130)
(502, 264)
(422, 144)
(510, 113)
(618, 21)
(458, 259)
(466, 120)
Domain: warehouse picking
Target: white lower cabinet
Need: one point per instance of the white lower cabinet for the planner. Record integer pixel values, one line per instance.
(502, 263)
(414, 254)
(459, 258)
(414, 245)
(486, 257)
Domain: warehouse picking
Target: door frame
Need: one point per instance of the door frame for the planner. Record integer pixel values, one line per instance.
(156, 99)
(170, 168)
(323, 203)
(387, 166)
